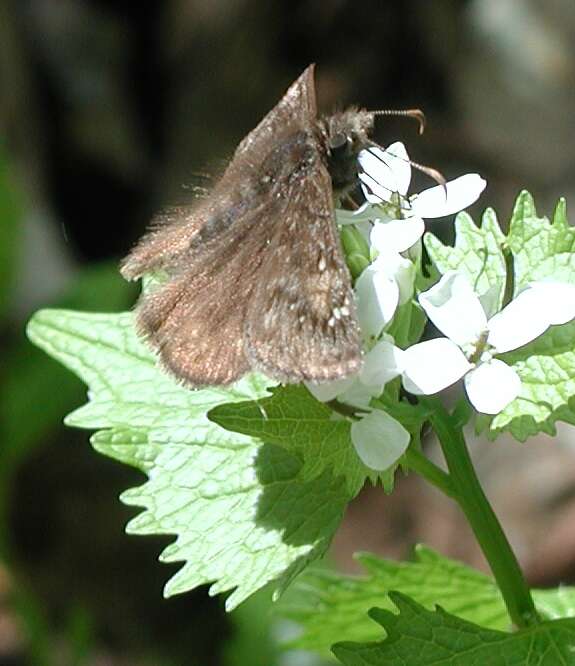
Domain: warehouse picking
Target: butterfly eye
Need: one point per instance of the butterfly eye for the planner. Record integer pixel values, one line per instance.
(338, 142)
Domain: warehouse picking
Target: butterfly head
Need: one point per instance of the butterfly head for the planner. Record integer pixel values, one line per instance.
(346, 134)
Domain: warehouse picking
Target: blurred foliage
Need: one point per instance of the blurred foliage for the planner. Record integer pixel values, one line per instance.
(252, 642)
(31, 377)
(107, 108)
(11, 210)
(33, 380)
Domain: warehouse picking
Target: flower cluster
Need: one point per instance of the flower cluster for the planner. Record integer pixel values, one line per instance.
(472, 340)
(475, 332)
(395, 224)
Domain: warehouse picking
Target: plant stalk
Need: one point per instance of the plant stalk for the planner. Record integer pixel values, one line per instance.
(482, 519)
(417, 462)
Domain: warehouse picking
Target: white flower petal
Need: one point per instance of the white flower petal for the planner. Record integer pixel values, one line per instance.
(490, 300)
(492, 386)
(372, 163)
(398, 159)
(455, 196)
(393, 266)
(377, 297)
(530, 313)
(555, 301)
(379, 439)
(373, 191)
(396, 235)
(405, 278)
(433, 365)
(455, 309)
(359, 395)
(327, 391)
(389, 168)
(521, 321)
(381, 364)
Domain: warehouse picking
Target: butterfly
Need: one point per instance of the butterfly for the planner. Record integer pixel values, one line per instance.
(256, 276)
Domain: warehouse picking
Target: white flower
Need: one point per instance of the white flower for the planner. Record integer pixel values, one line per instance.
(397, 226)
(473, 341)
(381, 287)
(387, 174)
(378, 438)
(380, 365)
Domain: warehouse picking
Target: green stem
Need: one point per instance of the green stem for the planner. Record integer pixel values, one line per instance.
(510, 281)
(482, 519)
(417, 462)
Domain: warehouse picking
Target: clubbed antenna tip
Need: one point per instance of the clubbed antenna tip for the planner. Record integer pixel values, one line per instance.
(410, 113)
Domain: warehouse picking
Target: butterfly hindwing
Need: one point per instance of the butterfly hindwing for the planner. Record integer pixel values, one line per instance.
(196, 319)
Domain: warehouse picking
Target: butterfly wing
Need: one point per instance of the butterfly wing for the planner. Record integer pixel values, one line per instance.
(297, 107)
(168, 237)
(301, 322)
(182, 231)
(257, 277)
(197, 319)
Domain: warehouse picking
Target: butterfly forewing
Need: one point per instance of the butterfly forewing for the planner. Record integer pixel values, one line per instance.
(256, 276)
(177, 230)
(301, 322)
(169, 237)
(297, 109)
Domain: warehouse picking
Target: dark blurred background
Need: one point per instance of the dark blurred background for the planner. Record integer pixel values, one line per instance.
(110, 110)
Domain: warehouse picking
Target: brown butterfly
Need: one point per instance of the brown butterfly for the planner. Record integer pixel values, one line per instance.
(256, 274)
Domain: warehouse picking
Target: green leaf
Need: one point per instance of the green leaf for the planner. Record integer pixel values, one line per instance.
(556, 603)
(477, 253)
(294, 419)
(541, 249)
(241, 515)
(546, 366)
(331, 607)
(419, 637)
(241, 512)
(127, 388)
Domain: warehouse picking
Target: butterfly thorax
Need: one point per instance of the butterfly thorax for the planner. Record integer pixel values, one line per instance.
(344, 135)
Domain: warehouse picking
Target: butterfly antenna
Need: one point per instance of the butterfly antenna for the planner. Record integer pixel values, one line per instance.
(350, 201)
(417, 114)
(434, 174)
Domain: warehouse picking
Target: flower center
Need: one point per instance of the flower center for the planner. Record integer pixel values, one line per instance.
(478, 351)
